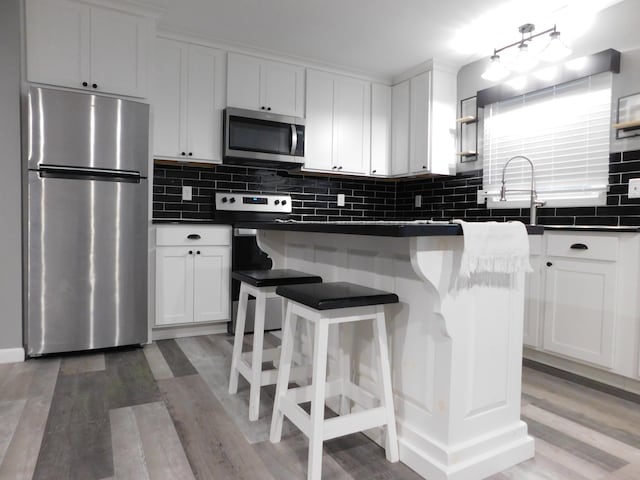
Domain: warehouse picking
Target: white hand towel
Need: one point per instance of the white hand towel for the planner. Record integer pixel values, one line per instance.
(493, 247)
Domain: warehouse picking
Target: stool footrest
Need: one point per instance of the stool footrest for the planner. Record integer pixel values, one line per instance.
(267, 355)
(270, 377)
(353, 422)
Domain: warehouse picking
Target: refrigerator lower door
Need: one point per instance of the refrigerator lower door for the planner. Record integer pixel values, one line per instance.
(87, 264)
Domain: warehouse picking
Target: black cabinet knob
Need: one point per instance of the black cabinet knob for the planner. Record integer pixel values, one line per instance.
(284, 202)
(232, 200)
(190, 252)
(549, 264)
(269, 108)
(190, 154)
(424, 166)
(340, 168)
(183, 153)
(95, 85)
(277, 202)
(85, 84)
(373, 171)
(224, 199)
(261, 108)
(334, 167)
(198, 252)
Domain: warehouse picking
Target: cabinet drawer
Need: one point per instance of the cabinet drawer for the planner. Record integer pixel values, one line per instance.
(201, 235)
(598, 247)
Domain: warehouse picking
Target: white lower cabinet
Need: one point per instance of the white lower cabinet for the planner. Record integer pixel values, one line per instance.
(581, 302)
(192, 274)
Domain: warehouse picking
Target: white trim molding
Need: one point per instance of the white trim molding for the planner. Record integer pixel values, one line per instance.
(11, 355)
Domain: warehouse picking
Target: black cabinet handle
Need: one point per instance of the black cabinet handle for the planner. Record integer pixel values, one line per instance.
(190, 252)
(373, 171)
(190, 154)
(183, 153)
(579, 246)
(261, 108)
(85, 84)
(95, 85)
(194, 236)
(198, 252)
(269, 108)
(549, 264)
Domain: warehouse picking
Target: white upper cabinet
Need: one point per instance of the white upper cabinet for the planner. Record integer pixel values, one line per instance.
(259, 84)
(338, 124)
(188, 99)
(380, 130)
(75, 45)
(423, 124)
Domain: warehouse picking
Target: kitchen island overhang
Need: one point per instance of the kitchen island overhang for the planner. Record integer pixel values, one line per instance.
(456, 349)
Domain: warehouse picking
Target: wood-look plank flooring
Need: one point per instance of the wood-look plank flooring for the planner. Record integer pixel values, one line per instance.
(163, 412)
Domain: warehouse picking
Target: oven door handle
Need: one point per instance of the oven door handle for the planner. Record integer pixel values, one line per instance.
(294, 139)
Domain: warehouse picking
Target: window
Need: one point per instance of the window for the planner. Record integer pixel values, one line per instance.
(564, 130)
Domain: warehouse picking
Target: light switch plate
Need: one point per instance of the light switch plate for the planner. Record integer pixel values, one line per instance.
(418, 201)
(341, 199)
(187, 193)
(634, 188)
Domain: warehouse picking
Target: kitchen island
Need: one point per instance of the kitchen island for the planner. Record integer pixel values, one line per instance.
(456, 350)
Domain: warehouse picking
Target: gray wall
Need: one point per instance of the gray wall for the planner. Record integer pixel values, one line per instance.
(10, 177)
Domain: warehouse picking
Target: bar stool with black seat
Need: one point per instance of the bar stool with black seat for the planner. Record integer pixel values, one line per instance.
(262, 285)
(326, 304)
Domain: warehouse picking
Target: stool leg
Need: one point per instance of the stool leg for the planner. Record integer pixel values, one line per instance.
(316, 435)
(241, 318)
(284, 369)
(256, 358)
(380, 337)
(345, 342)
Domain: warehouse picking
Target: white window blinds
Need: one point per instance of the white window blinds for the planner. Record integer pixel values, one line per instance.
(564, 130)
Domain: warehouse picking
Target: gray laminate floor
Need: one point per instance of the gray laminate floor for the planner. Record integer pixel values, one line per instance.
(163, 412)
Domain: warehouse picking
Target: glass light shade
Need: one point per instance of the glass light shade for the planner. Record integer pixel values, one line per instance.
(496, 71)
(524, 61)
(555, 50)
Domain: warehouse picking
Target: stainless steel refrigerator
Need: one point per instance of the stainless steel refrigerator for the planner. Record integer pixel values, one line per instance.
(87, 159)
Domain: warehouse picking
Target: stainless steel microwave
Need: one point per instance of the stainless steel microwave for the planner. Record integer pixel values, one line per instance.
(263, 139)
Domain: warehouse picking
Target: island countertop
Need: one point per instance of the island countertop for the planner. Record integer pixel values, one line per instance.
(375, 228)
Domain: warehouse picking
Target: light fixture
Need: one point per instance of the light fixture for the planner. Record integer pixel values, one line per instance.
(525, 60)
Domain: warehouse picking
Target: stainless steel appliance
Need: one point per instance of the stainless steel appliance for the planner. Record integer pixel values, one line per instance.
(87, 159)
(246, 255)
(263, 139)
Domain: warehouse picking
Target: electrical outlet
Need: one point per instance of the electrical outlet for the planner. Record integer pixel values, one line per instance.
(482, 198)
(187, 193)
(634, 188)
(341, 199)
(418, 201)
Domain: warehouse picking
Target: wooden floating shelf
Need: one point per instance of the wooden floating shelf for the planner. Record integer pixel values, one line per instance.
(470, 153)
(627, 125)
(467, 119)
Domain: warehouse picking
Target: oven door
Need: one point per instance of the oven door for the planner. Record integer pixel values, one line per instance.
(256, 138)
(247, 256)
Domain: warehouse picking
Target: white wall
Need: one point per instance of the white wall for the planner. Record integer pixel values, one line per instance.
(10, 177)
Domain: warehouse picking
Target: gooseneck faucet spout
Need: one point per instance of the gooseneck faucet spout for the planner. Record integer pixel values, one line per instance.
(535, 203)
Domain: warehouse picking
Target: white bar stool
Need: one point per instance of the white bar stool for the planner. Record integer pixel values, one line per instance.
(262, 285)
(325, 304)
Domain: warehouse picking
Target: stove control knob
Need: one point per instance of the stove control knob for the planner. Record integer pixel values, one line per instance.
(277, 202)
(224, 199)
(232, 200)
(284, 202)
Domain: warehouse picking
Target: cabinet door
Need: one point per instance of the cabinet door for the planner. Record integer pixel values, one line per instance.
(533, 303)
(169, 106)
(380, 129)
(352, 125)
(243, 81)
(57, 37)
(419, 123)
(205, 102)
(174, 285)
(319, 122)
(120, 45)
(282, 88)
(400, 128)
(211, 284)
(580, 312)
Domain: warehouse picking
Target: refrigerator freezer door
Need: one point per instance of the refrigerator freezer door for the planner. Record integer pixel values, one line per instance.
(87, 264)
(84, 130)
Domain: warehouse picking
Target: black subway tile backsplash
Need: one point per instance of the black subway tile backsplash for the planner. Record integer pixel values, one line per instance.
(443, 198)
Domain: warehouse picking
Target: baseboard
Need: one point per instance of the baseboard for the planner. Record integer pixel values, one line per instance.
(11, 355)
(165, 333)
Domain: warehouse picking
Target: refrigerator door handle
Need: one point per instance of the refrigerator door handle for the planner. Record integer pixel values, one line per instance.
(89, 173)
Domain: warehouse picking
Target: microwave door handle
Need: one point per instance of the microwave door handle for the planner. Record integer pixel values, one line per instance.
(294, 139)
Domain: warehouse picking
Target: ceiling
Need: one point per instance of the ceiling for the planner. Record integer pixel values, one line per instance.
(383, 38)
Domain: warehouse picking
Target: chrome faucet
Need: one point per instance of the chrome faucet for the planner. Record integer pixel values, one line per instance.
(535, 203)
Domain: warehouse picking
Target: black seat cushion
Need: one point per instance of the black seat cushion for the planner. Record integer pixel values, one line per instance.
(272, 278)
(327, 296)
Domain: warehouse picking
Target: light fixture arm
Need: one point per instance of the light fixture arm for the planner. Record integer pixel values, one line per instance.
(523, 29)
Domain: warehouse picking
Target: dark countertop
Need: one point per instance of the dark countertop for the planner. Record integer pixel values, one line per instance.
(187, 221)
(591, 228)
(380, 230)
